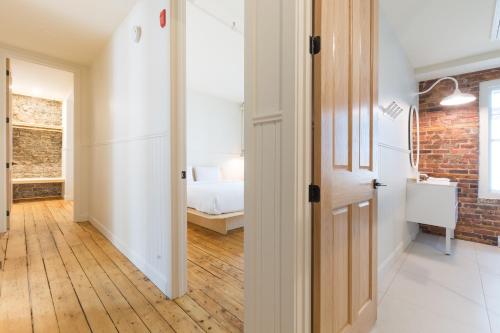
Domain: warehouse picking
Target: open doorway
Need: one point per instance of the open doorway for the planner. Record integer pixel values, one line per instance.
(215, 157)
(40, 135)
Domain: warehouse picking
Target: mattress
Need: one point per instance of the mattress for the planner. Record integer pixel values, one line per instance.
(215, 198)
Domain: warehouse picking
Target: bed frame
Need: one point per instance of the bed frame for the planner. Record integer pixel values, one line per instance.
(219, 223)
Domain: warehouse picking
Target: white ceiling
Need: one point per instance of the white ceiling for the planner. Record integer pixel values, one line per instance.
(39, 81)
(226, 11)
(436, 32)
(73, 30)
(215, 51)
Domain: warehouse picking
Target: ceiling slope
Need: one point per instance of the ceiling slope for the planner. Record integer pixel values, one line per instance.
(71, 30)
(444, 34)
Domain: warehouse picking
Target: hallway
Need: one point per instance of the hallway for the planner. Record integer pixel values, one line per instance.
(58, 276)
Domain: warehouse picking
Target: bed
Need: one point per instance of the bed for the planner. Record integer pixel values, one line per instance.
(216, 205)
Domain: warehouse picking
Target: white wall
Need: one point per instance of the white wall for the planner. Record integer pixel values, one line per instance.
(68, 150)
(215, 82)
(130, 146)
(32, 79)
(396, 83)
(214, 133)
(214, 51)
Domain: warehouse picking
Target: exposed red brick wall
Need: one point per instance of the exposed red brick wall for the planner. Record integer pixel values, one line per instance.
(450, 148)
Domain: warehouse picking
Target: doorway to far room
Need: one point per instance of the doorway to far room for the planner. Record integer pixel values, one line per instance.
(40, 144)
(215, 157)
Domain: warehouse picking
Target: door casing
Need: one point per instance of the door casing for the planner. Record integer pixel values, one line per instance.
(294, 314)
(8, 138)
(81, 143)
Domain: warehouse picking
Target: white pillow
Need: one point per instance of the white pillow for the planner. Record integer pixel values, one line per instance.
(207, 174)
(189, 174)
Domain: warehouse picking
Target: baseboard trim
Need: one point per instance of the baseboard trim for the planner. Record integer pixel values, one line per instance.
(82, 218)
(387, 264)
(394, 257)
(153, 275)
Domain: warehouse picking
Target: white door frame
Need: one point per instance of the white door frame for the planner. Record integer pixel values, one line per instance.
(278, 105)
(80, 140)
(178, 148)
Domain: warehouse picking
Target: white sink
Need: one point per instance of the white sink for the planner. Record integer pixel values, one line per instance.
(438, 181)
(433, 203)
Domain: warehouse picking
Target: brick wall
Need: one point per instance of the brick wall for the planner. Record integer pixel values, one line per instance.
(37, 153)
(450, 148)
(38, 111)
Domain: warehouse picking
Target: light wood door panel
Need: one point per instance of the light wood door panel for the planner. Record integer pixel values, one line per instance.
(339, 251)
(345, 100)
(365, 265)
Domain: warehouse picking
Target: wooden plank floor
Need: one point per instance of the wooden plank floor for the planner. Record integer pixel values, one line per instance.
(60, 276)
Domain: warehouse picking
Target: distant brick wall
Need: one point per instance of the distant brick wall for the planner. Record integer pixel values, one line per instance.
(37, 153)
(450, 148)
(38, 111)
(37, 191)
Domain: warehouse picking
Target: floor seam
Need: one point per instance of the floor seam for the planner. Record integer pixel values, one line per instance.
(482, 288)
(403, 260)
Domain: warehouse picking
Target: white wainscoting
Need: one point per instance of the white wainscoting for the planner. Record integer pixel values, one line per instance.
(278, 71)
(130, 201)
(395, 234)
(264, 260)
(266, 220)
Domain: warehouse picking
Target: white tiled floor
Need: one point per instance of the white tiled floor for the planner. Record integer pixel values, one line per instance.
(429, 292)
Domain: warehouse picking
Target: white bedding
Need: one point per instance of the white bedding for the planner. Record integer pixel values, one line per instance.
(217, 197)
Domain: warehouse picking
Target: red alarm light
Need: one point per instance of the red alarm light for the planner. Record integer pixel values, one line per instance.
(163, 18)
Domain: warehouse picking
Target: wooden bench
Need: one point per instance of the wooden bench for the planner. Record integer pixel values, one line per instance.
(45, 180)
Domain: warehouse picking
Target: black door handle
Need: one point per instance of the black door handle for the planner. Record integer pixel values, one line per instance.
(376, 184)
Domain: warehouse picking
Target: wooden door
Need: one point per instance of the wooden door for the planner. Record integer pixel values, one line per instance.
(345, 220)
(8, 138)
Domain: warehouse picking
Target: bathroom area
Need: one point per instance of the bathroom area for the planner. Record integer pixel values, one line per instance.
(439, 157)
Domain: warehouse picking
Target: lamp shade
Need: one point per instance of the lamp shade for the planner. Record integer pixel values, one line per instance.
(458, 98)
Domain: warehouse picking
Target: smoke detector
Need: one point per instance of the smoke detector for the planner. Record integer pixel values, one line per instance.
(136, 33)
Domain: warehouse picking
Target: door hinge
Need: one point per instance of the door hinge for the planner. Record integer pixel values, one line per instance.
(8, 165)
(314, 44)
(8, 213)
(7, 120)
(183, 174)
(7, 72)
(314, 193)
